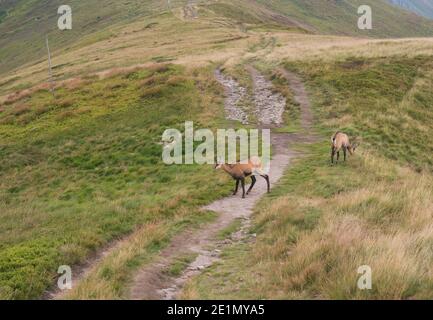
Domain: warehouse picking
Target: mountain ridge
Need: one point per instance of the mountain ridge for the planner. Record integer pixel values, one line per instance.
(25, 23)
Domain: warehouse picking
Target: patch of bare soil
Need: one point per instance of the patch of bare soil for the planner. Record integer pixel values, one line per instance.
(153, 282)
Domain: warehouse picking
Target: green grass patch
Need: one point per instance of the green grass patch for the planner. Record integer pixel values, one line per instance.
(180, 264)
(84, 168)
(384, 101)
(232, 228)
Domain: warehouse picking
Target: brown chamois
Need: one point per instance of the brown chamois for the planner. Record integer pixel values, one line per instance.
(239, 172)
(340, 141)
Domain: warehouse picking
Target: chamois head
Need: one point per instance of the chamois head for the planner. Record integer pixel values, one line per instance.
(355, 144)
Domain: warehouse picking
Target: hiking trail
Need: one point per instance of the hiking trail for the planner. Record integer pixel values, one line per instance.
(152, 281)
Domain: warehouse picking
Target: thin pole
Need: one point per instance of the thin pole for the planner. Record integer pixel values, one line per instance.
(50, 71)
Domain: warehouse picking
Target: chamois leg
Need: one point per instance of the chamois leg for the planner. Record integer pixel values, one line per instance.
(332, 155)
(253, 182)
(338, 156)
(345, 153)
(237, 187)
(243, 187)
(266, 177)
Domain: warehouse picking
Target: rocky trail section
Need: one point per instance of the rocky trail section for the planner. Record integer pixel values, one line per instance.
(234, 95)
(270, 105)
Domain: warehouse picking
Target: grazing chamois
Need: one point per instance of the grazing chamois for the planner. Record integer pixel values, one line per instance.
(240, 172)
(340, 141)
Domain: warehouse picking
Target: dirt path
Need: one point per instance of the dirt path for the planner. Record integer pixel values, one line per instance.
(301, 96)
(153, 282)
(269, 105)
(234, 95)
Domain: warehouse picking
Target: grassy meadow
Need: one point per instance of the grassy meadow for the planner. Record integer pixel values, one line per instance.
(384, 101)
(84, 167)
(81, 169)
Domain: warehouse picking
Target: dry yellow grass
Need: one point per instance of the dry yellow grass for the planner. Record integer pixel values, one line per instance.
(397, 252)
(329, 48)
(311, 246)
(195, 50)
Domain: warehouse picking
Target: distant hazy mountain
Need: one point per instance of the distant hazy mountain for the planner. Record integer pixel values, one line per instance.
(421, 7)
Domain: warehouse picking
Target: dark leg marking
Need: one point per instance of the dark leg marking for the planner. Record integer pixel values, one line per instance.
(243, 187)
(237, 187)
(266, 177)
(253, 182)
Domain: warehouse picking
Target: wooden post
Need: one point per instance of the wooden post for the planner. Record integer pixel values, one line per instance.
(50, 71)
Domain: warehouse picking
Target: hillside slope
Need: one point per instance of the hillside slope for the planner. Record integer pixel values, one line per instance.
(340, 17)
(25, 23)
(421, 7)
